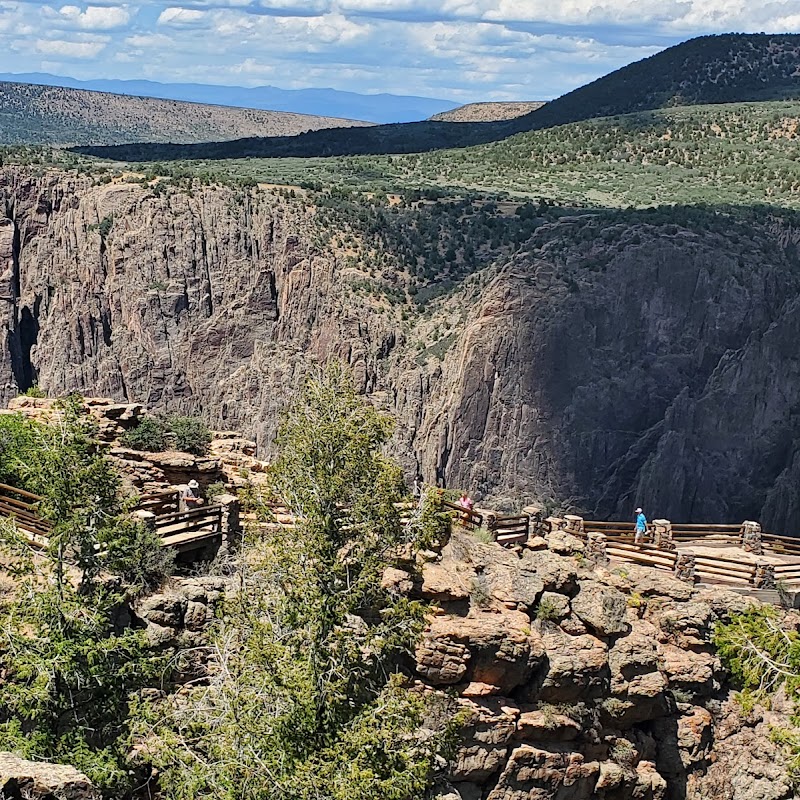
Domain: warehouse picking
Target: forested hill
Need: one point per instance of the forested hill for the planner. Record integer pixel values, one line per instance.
(730, 68)
(710, 69)
(32, 114)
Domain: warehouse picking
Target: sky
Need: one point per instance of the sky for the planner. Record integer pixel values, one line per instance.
(462, 50)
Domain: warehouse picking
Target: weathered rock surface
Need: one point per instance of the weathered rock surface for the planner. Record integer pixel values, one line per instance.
(604, 685)
(21, 779)
(217, 301)
(179, 614)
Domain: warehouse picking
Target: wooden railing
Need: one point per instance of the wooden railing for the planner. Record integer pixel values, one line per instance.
(466, 517)
(22, 506)
(509, 528)
(188, 530)
(724, 570)
(781, 544)
(720, 533)
(165, 501)
(183, 530)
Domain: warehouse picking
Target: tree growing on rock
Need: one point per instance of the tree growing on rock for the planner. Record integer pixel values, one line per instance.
(309, 698)
(69, 663)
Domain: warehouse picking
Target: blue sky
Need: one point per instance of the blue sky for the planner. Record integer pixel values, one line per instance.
(463, 50)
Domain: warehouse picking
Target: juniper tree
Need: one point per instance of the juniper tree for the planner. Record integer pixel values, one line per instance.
(309, 696)
(69, 663)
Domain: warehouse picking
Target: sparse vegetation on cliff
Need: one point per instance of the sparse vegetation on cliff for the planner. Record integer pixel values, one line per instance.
(309, 696)
(762, 655)
(154, 434)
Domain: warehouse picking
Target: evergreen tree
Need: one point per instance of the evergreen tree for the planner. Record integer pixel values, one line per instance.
(309, 698)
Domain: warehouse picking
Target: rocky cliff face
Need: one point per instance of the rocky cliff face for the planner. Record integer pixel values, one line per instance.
(588, 682)
(614, 359)
(576, 681)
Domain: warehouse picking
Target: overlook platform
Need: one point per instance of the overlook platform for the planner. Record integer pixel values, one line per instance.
(186, 531)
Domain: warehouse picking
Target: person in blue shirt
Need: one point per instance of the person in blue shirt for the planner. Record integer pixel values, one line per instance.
(641, 526)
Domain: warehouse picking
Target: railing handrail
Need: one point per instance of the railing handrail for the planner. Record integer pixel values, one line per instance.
(202, 511)
(4, 487)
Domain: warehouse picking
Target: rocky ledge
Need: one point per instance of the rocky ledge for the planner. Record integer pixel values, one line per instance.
(21, 780)
(586, 682)
(578, 681)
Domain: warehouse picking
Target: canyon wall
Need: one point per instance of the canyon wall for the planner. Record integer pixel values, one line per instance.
(612, 360)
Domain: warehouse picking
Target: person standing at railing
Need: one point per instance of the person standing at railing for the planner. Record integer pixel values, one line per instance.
(641, 526)
(189, 494)
(466, 502)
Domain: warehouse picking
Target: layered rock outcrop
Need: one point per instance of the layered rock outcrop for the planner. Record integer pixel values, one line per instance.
(614, 360)
(586, 682)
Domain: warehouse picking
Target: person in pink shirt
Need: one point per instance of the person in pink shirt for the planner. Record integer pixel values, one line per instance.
(465, 501)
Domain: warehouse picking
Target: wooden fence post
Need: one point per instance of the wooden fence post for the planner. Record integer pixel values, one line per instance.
(751, 538)
(684, 566)
(662, 534)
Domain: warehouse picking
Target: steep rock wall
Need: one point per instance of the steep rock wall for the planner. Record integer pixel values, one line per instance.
(613, 360)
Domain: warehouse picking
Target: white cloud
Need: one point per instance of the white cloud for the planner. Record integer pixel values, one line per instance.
(180, 17)
(464, 49)
(96, 17)
(58, 47)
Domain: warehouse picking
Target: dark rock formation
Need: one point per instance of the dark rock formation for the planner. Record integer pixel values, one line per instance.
(617, 359)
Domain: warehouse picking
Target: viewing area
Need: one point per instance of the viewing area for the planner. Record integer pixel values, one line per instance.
(184, 531)
(741, 557)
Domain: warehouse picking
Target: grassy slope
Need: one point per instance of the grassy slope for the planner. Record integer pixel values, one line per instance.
(31, 114)
(738, 153)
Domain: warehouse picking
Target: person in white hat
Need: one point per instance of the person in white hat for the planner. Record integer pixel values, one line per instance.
(641, 526)
(190, 495)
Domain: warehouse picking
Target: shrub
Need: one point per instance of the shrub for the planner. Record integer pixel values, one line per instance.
(149, 435)
(635, 600)
(34, 391)
(480, 595)
(189, 434)
(624, 753)
(214, 490)
(548, 611)
(483, 535)
(68, 667)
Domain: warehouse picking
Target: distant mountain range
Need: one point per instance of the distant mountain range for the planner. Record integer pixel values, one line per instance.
(380, 108)
(709, 69)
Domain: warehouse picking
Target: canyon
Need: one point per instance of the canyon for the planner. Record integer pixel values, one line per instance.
(614, 359)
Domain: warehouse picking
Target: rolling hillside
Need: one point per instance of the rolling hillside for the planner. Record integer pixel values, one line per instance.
(730, 68)
(31, 114)
(711, 69)
(737, 153)
(488, 112)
